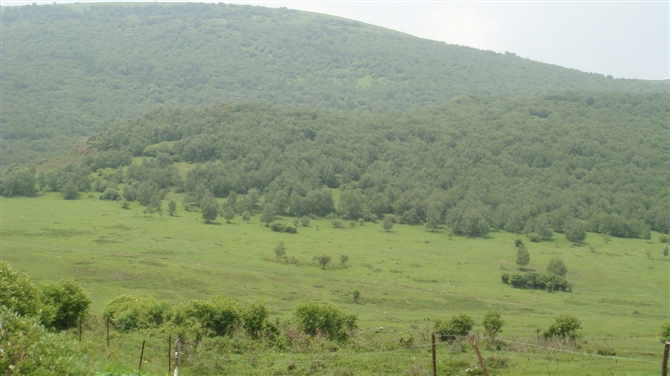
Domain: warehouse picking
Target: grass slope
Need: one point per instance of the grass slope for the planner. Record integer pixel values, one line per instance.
(405, 276)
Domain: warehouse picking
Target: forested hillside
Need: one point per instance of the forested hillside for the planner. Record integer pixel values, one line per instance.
(587, 159)
(69, 71)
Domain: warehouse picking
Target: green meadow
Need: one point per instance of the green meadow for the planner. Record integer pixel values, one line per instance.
(407, 278)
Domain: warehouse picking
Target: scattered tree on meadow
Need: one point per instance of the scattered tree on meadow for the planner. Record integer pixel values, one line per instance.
(565, 326)
(666, 251)
(246, 216)
(228, 213)
(557, 266)
(433, 217)
(324, 260)
(458, 326)
(575, 230)
(69, 191)
(388, 222)
(522, 256)
(209, 211)
(268, 214)
(344, 259)
(172, 208)
(492, 323)
(356, 295)
(280, 249)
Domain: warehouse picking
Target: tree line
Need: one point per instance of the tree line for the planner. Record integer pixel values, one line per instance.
(596, 163)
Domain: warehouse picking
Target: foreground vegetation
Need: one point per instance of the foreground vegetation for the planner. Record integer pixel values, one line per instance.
(408, 279)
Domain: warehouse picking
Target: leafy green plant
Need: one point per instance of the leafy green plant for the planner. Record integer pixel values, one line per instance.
(458, 326)
(66, 303)
(565, 326)
(327, 319)
(492, 323)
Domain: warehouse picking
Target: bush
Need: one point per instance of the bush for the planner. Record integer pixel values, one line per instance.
(337, 223)
(557, 266)
(458, 326)
(533, 237)
(218, 316)
(564, 326)
(17, 293)
(29, 349)
(533, 280)
(65, 302)
(665, 331)
(492, 323)
(664, 239)
(575, 230)
(128, 313)
(255, 321)
(313, 318)
(110, 195)
(324, 260)
(522, 256)
(280, 227)
(304, 221)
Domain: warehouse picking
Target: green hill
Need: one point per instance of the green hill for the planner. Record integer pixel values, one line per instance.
(69, 71)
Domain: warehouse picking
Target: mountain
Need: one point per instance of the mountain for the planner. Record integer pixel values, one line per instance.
(71, 70)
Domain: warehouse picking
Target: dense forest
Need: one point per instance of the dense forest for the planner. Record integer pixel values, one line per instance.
(70, 70)
(528, 165)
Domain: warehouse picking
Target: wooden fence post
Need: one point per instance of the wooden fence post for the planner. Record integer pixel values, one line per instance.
(142, 353)
(176, 357)
(481, 360)
(664, 366)
(432, 340)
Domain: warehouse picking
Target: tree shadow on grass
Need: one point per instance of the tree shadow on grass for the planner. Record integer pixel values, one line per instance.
(213, 223)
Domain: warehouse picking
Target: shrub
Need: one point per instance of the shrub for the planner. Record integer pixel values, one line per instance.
(110, 195)
(66, 303)
(557, 266)
(246, 216)
(280, 227)
(337, 223)
(218, 316)
(255, 320)
(664, 238)
(29, 349)
(128, 313)
(17, 293)
(324, 260)
(459, 325)
(575, 230)
(665, 331)
(518, 242)
(313, 318)
(344, 259)
(522, 256)
(533, 237)
(564, 326)
(280, 249)
(533, 280)
(388, 222)
(505, 278)
(492, 323)
(304, 221)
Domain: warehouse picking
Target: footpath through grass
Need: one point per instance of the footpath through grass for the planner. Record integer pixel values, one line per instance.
(407, 277)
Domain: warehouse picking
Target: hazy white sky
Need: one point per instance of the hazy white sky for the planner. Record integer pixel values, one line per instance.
(625, 39)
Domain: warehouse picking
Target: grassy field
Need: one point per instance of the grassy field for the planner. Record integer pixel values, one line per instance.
(406, 277)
